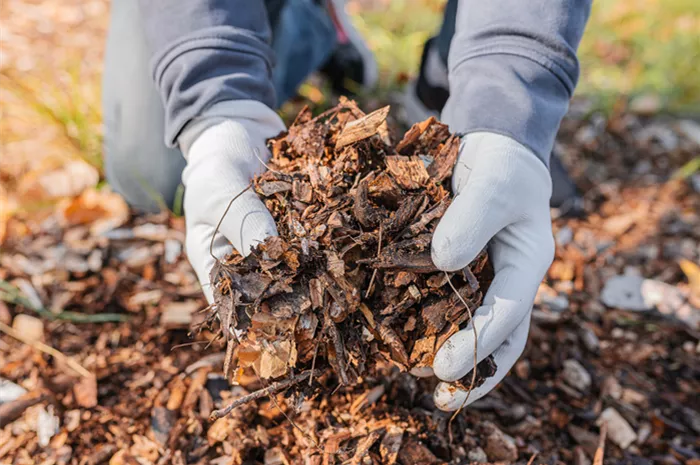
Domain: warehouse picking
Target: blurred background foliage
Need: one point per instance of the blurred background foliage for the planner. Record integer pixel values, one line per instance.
(641, 53)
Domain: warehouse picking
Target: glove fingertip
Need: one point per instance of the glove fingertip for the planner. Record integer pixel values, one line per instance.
(452, 247)
(454, 359)
(448, 397)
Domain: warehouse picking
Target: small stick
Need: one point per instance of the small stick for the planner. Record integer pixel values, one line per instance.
(256, 152)
(600, 452)
(268, 391)
(532, 459)
(374, 273)
(476, 360)
(313, 362)
(40, 346)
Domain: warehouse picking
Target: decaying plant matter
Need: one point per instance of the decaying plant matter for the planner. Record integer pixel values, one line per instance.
(349, 280)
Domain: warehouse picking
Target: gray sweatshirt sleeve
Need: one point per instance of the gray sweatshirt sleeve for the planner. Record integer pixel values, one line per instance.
(207, 51)
(513, 68)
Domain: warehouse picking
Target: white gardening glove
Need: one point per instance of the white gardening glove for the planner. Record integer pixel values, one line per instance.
(502, 199)
(225, 149)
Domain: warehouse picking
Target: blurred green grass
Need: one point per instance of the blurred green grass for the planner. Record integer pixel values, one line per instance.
(631, 48)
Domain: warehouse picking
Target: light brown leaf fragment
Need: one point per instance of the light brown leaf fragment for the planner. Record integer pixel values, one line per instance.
(362, 128)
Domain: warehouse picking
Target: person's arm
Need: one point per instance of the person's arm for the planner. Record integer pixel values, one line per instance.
(513, 68)
(204, 52)
(212, 65)
(512, 71)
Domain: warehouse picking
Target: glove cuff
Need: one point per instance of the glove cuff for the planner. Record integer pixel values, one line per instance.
(258, 119)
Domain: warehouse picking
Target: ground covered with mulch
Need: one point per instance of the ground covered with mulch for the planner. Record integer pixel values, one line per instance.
(97, 365)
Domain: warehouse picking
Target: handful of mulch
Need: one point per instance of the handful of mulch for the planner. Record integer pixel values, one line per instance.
(349, 281)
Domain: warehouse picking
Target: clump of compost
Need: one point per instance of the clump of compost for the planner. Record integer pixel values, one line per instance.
(349, 281)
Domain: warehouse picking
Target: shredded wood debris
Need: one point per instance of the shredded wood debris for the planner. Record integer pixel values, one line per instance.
(349, 280)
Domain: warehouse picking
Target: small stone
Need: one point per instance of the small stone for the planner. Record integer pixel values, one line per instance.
(619, 430)
(590, 339)
(576, 375)
(29, 327)
(670, 301)
(10, 391)
(499, 446)
(477, 455)
(47, 425)
(624, 292)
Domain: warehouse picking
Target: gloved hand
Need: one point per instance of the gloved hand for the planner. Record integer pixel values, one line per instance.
(225, 149)
(502, 199)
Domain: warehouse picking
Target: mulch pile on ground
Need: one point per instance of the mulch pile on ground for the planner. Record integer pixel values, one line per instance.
(349, 280)
(612, 341)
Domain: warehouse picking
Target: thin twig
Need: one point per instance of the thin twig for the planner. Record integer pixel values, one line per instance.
(600, 451)
(75, 366)
(221, 220)
(256, 152)
(273, 388)
(313, 361)
(532, 459)
(291, 422)
(374, 273)
(476, 360)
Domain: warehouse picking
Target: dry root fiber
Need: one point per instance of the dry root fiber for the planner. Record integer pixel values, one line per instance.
(349, 281)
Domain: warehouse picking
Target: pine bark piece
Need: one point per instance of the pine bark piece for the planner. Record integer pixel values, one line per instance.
(444, 162)
(409, 172)
(362, 128)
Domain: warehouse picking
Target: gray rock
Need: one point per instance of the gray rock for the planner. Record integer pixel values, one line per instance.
(619, 430)
(624, 292)
(576, 375)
